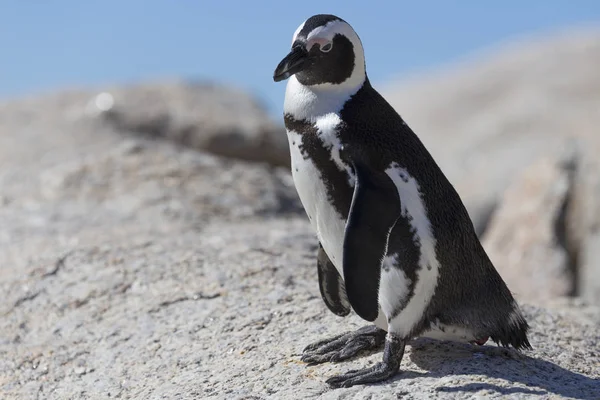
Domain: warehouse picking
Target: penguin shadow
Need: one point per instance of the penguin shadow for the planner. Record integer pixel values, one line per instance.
(443, 359)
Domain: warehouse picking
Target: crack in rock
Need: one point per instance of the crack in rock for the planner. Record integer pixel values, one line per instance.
(57, 265)
(197, 296)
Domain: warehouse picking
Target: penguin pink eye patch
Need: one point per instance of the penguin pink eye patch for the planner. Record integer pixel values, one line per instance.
(324, 44)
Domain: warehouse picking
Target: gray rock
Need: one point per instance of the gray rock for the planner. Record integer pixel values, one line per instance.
(215, 118)
(224, 312)
(140, 269)
(488, 117)
(526, 237)
(584, 225)
(149, 271)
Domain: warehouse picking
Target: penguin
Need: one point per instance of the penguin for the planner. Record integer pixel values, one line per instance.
(396, 244)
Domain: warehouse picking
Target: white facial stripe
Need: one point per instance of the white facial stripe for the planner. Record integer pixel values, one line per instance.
(321, 35)
(326, 31)
(297, 32)
(317, 40)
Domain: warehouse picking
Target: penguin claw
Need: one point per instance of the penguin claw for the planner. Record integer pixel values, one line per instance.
(321, 343)
(392, 356)
(377, 373)
(316, 358)
(345, 346)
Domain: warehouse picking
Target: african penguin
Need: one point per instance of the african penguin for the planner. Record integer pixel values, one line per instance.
(396, 244)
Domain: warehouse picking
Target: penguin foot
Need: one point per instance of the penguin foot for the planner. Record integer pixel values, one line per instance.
(345, 346)
(392, 356)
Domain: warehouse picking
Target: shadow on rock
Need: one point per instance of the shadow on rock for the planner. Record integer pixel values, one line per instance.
(446, 359)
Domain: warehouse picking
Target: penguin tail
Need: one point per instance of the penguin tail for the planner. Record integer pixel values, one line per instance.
(513, 331)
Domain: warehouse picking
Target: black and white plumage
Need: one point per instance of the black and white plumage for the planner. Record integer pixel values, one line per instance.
(397, 245)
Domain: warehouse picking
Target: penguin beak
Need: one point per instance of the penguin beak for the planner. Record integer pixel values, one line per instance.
(294, 62)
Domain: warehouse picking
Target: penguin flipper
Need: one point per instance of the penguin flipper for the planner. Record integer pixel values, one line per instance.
(373, 213)
(331, 285)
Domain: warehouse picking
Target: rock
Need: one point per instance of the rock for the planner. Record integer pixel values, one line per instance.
(526, 237)
(224, 312)
(145, 270)
(205, 116)
(137, 176)
(584, 225)
(488, 117)
(141, 269)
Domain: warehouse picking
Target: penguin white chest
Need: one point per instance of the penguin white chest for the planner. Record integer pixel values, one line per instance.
(328, 224)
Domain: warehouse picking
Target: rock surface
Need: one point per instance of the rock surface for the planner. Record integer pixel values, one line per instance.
(223, 311)
(140, 270)
(519, 104)
(526, 236)
(584, 228)
(205, 116)
(490, 116)
(135, 268)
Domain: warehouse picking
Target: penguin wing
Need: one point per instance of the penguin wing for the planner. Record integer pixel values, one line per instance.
(331, 285)
(373, 213)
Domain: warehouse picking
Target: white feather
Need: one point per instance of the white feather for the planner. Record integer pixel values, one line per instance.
(325, 220)
(297, 32)
(394, 284)
(449, 332)
(327, 126)
(309, 102)
(427, 278)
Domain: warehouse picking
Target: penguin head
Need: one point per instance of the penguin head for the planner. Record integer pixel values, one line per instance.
(326, 52)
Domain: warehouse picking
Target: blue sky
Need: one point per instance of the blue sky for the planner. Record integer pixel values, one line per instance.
(50, 45)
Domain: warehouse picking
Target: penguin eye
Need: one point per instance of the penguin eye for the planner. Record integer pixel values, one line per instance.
(326, 48)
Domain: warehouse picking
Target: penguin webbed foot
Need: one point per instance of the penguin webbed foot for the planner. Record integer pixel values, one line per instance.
(392, 356)
(345, 346)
